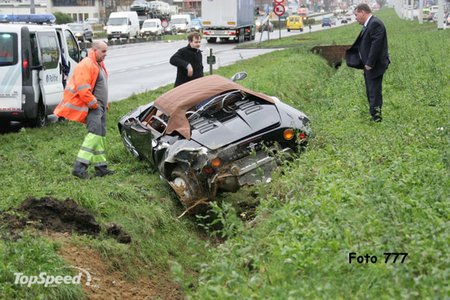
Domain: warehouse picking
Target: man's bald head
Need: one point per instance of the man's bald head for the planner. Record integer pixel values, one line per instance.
(100, 48)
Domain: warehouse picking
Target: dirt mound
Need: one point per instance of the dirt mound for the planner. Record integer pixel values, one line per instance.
(58, 216)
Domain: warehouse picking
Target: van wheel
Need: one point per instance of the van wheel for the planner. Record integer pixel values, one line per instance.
(41, 117)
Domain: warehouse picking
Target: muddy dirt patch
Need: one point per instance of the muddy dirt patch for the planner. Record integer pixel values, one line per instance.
(109, 284)
(57, 216)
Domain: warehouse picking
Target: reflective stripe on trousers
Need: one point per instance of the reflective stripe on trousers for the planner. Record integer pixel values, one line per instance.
(93, 150)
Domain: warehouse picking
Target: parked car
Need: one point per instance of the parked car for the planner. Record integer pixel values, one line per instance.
(151, 27)
(212, 134)
(83, 31)
(263, 25)
(326, 22)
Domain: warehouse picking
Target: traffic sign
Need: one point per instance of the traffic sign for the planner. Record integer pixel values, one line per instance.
(279, 9)
(279, 1)
(164, 23)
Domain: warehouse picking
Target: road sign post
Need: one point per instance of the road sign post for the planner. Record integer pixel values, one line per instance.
(279, 10)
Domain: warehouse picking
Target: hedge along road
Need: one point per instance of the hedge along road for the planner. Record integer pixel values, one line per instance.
(139, 67)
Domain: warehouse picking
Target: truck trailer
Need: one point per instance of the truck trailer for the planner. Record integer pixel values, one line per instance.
(228, 20)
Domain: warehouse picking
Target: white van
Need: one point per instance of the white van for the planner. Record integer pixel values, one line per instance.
(123, 24)
(182, 23)
(32, 61)
(151, 27)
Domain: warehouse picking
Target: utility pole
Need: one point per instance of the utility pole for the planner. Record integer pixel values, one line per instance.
(440, 14)
(420, 12)
(32, 7)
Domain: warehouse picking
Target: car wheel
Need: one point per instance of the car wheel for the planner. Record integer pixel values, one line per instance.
(211, 40)
(128, 144)
(186, 188)
(41, 117)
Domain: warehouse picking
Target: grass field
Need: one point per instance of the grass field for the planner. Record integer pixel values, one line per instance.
(360, 187)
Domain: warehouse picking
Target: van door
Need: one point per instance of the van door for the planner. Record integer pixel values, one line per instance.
(10, 74)
(50, 77)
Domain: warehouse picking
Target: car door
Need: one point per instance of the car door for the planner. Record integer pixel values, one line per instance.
(50, 76)
(72, 50)
(144, 131)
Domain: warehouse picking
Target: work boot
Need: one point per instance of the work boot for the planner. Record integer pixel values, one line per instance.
(80, 170)
(81, 175)
(103, 171)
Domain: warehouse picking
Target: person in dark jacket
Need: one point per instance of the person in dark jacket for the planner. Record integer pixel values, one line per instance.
(188, 60)
(373, 50)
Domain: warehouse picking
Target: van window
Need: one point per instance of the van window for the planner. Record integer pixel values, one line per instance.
(72, 46)
(49, 49)
(35, 60)
(8, 49)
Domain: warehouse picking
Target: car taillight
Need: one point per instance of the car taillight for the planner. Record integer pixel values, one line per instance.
(216, 162)
(25, 69)
(302, 136)
(288, 134)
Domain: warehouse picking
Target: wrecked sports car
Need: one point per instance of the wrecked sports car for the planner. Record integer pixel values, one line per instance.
(213, 134)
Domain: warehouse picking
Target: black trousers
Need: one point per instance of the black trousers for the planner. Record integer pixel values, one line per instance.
(374, 96)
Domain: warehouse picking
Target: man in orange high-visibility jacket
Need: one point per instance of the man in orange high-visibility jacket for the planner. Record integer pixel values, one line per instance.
(85, 101)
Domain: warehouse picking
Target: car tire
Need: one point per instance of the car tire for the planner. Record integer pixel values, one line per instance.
(187, 189)
(211, 40)
(41, 118)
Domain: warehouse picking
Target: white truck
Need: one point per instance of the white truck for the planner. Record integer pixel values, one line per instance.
(228, 20)
(33, 62)
(123, 24)
(182, 23)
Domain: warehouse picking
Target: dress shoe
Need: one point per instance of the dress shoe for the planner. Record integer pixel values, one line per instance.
(103, 172)
(81, 175)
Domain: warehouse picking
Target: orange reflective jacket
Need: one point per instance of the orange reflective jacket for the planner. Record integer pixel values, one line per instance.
(78, 97)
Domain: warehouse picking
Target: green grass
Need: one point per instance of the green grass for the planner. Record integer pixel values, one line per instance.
(360, 187)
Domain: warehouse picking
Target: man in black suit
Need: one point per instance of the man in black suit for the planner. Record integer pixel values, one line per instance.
(373, 50)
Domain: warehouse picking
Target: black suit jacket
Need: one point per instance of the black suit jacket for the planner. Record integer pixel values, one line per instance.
(373, 47)
(182, 58)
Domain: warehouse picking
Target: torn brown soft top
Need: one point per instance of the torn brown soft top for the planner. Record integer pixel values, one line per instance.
(176, 102)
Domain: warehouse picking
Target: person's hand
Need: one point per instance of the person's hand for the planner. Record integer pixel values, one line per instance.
(107, 106)
(190, 70)
(368, 68)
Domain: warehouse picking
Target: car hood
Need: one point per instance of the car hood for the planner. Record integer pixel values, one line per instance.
(248, 121)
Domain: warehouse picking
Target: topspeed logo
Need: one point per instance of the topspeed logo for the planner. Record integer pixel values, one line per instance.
(52, 280)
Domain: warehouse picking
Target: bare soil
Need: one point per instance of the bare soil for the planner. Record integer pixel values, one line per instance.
(108, 284)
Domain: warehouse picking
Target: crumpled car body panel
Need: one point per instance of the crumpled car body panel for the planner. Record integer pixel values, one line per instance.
(236, 138)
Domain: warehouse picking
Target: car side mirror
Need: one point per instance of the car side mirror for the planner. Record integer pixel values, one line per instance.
(239, 76)
(83, 53)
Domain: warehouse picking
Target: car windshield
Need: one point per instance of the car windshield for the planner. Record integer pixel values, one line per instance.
(76, 27)
(117, 21)
(179, 21)
(149, 24)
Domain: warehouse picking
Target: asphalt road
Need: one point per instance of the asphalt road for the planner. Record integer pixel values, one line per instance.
(136, 68)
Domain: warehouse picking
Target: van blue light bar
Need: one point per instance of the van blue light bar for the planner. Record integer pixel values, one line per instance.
(38, 19)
